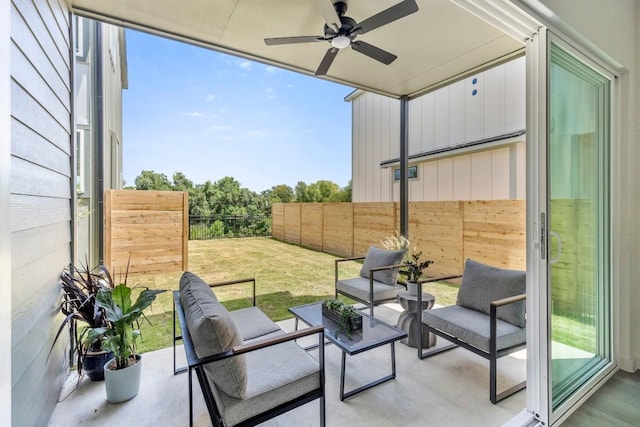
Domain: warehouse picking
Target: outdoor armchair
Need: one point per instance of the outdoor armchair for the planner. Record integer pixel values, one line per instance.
(377, 282)
(487, 319)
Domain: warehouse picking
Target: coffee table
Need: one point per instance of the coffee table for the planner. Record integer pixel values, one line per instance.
(375, 333)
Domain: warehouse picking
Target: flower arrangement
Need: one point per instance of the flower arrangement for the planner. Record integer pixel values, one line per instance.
(414, 268)
(346, 316)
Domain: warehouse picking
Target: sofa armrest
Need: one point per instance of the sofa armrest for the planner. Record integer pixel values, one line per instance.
(235, 282)
(260, 344)
(493, 317)
(509, 300)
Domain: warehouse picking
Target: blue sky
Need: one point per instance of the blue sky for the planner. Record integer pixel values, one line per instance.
(211, 115)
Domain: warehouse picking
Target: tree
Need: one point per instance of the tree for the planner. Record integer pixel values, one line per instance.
(181, 183)
(149, 180)
(279, 194)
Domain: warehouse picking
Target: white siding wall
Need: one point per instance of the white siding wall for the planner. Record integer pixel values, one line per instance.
(40, 209)
(485, 105)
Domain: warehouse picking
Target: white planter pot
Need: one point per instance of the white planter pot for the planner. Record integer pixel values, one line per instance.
(412, 288)
(122, 384)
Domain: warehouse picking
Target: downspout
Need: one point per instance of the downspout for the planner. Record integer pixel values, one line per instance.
(404, 166)
(99, 141)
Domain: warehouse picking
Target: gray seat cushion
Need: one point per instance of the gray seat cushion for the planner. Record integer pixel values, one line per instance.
(377, 257)
(188, 278)
(276, 375)
(213, 331)
(253, 323)
(482, 284)
(359, 288)
(473, 327)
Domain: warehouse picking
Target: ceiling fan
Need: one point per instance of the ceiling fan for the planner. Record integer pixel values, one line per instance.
(341, 31)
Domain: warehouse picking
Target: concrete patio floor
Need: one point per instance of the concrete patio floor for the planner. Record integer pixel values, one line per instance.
(450, 389)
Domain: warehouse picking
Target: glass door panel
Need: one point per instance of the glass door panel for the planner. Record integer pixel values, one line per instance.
(578, 206)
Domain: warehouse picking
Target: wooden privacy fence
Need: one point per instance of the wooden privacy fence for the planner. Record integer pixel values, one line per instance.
(491, 231)
(151, 228)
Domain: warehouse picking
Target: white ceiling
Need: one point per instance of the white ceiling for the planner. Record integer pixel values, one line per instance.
(438, 42)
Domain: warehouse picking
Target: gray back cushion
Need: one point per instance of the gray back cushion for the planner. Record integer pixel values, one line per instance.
(213, 331)
(482, 284)
(188, 278)
(377, 257)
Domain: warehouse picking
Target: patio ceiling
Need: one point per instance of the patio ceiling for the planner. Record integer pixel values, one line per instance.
(439, 42)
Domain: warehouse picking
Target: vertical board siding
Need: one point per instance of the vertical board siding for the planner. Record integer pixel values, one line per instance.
(460, 113)
(311, 223)
(145, 229)
(447, 232)
(40, 201)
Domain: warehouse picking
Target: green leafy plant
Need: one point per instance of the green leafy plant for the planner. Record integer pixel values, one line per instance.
(123, 327)
(80, 286)
(347, 314)
(415, 268)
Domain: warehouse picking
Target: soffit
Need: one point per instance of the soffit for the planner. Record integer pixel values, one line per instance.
(440, 41)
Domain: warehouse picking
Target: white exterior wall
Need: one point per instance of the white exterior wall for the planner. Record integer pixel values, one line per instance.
(40, 202)
(447, 117)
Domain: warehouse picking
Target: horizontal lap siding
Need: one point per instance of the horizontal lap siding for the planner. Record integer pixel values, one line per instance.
(147, 229)
(40, 201)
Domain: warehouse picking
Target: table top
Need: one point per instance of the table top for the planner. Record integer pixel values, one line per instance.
(374, 332)
(426, 297)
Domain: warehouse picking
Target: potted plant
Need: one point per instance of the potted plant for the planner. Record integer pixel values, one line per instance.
(345, 315)
(122, 373)
(414, 270)
(79, 289)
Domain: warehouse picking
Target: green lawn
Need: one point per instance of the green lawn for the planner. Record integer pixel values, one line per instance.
(286, 275)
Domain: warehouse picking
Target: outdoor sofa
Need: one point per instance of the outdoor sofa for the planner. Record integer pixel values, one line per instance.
(487, 319)
(249, 370)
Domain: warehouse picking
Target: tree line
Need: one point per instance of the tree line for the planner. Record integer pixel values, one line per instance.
(226, 196)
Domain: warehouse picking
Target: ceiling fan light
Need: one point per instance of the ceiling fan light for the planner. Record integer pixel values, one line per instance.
(340, 42)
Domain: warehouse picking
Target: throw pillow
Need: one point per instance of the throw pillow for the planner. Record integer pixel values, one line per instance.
(377, 257)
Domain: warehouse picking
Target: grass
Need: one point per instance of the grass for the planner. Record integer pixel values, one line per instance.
(286, 275)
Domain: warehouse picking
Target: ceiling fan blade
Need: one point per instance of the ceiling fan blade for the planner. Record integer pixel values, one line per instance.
(327, 61)
(400, 10)
(329, 14)
(373, 52)
(291, 40)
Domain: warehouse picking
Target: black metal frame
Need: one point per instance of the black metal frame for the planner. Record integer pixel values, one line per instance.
(373, 302)
(492, 355)
(194, 363)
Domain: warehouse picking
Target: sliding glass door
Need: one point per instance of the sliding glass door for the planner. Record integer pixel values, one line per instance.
(578, 226)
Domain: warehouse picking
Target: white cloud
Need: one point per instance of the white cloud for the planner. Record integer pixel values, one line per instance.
(270, 93)
(256, 134)
(211, 97)
(194, 114)
(220, 128)
(270, 69)
(245, 65)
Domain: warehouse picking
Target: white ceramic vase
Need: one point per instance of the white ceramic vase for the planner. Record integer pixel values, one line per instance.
(412, 288)
(122, 384)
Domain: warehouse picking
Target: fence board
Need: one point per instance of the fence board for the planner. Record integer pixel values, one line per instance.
(277, 221)
(372, 222)
(338, 228)
(292, 223)
(435, 228)
(494, 232)
(311, 222)
(147, 229)
(447, 232)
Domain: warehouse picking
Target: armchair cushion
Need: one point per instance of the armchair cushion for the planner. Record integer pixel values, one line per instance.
(213, 331)
(359, 288)
(188, 278)
(482, 284)
(377, 257)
